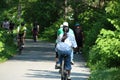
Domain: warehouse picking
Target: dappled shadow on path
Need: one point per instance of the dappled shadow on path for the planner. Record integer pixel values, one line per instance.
(44, 52)
(42, 74)
(47, 74)
(37, 51)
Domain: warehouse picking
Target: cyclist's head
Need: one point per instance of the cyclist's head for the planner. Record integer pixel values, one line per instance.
(65, 24)
(65, 29)
(22, 24)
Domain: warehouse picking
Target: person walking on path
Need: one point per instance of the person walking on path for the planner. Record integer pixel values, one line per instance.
(79, 37)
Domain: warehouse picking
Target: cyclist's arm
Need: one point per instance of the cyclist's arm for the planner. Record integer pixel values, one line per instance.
(38, 27)
(24, 32)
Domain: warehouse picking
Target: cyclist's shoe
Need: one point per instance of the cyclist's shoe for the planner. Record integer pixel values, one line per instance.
(23, 46)
(59, 71)
(72, 62)
(57, 66)
(69, 78)
(80, 52)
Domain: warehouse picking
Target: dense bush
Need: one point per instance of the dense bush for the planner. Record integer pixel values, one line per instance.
(106, 51)
(7, 45)
(51, 32)
(108, 74)
(105, 54)
(91, 22)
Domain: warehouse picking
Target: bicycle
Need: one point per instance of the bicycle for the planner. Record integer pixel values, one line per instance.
(20, 46)
(64, 74)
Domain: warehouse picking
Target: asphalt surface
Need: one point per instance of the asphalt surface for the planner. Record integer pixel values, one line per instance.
(37, 62)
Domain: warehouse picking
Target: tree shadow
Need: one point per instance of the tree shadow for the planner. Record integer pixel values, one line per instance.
(36, 51)
(54, 75)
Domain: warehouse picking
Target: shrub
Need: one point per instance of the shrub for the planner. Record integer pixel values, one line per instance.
(107, 74)
(106, 51)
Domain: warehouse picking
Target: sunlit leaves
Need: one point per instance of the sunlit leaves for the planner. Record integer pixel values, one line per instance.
(107, 47)
(1, 46)
(115, 22)
(113, 7)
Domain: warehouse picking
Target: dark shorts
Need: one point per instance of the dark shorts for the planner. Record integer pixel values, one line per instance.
(20, 35)
(11, 28)
(56, 55)
(35, 32)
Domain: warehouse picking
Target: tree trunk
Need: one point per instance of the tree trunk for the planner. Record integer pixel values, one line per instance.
(66, 10)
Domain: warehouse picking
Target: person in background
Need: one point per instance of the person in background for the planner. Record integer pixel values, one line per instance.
(79, 37)
(6, 24)
(35, 30)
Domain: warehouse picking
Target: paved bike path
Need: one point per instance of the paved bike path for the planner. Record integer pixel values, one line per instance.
(37, 63)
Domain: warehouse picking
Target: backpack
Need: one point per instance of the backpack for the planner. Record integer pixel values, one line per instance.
(62, 46)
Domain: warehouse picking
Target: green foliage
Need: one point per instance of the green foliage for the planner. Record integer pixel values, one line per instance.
(102, 39)
(7, 46)
(92, 22)
(113, 11)
(51, 32)
(108, 74)
(106, 52)
(45, 12)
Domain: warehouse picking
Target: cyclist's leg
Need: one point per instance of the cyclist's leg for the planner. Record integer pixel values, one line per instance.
(57, 61)
(18, 39)
(68, 63)
(56, 57)
(36, 35)
(60, 57)
(23, 38)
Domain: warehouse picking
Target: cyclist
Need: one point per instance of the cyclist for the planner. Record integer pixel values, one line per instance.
(35, 30)
(21, 33)
(65, 44)
(60, 31)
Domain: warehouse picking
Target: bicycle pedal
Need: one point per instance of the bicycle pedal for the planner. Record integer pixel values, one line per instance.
(57, 67)
(59, 71)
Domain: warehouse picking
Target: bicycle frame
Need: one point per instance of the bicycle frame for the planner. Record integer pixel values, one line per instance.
(20, 45)
(63, 71)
